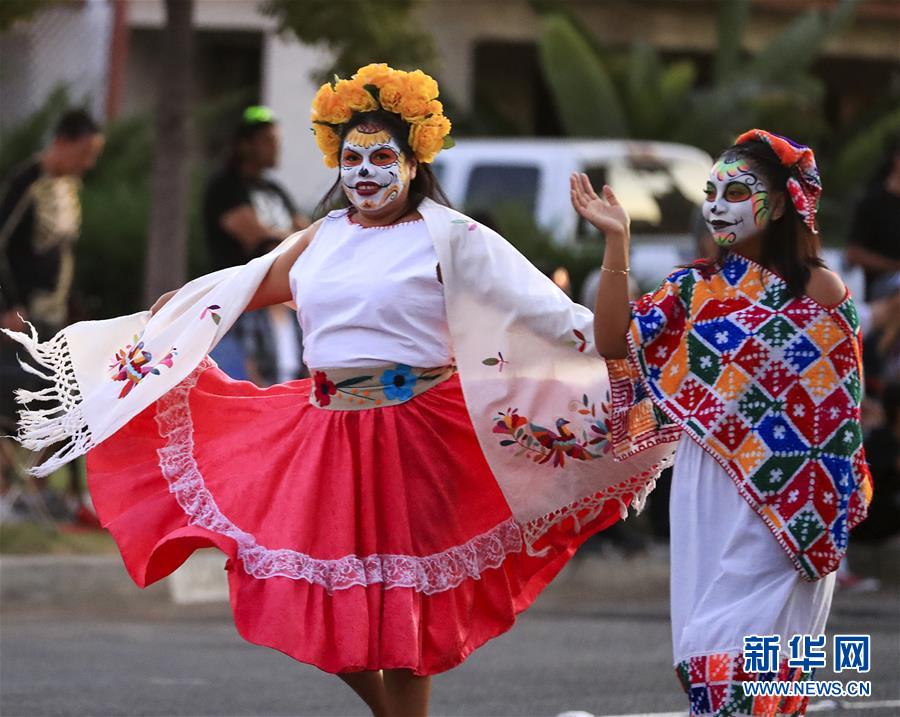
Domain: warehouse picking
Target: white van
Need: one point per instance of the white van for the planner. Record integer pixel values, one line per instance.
(660, 184)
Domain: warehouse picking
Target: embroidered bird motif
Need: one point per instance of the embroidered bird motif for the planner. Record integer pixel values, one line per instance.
(559, 445)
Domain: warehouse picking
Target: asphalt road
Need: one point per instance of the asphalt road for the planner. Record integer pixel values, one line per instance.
(608, 658)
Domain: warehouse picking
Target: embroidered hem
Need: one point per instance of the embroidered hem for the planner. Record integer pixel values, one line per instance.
(427, 574)
(714, 684)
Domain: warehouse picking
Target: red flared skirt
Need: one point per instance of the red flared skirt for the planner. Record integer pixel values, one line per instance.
(357, 540)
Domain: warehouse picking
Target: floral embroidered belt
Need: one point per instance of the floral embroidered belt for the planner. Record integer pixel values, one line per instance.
(356, 389)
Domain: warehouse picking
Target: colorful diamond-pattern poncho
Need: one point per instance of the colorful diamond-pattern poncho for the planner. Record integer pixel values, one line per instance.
(767, 383)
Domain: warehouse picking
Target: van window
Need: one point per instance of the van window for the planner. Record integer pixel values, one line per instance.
(661, 196)
(494, 185)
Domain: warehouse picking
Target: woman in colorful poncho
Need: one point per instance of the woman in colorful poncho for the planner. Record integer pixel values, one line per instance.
(387, 517)
(752, 364)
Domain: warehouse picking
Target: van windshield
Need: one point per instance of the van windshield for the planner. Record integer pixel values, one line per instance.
(501, 185)
(660, 196)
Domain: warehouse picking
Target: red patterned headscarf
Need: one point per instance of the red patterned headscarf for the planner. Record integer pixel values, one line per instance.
(804, 184)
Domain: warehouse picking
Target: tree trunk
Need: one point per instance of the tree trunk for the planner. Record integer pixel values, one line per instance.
(167, 241)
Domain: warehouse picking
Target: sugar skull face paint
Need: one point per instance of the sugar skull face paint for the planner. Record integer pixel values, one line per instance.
(374, 171)
(737, 202)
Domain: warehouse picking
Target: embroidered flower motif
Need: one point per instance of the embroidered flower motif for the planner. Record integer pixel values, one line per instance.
(472, 226)
(211, 310)
(132, 365)
(324, 389)
(509, 423)
(398, 383)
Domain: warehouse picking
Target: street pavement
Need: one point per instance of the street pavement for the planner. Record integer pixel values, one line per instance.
(576, 649)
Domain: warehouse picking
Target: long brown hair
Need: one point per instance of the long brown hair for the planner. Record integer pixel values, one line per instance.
(788, 247)
(424, 185)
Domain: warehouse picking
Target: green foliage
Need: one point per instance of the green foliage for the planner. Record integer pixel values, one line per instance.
(357, 31)
(602, 93)
(20, 142)
(731, 20)
(585, 96)
(11, 11)
(862, 151)
(664, 101)
(797, 46)
(115, 211)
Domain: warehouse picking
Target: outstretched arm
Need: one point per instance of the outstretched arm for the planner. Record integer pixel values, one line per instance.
(275, 287)
(612, 313)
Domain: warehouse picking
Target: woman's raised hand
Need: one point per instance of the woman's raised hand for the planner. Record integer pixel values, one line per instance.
(604, 212)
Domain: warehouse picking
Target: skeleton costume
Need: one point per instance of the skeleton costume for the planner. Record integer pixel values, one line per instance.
(761, 390)
(403, 505)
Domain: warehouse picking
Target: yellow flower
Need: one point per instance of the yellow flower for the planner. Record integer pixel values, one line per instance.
(427, 137)
(375, 74)
(356, 96)
(412, 95)
(329, 143)
(393, 91)
(419, 92)
(330, 107)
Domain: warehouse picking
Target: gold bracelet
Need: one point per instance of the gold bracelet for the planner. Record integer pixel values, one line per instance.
(623, 272)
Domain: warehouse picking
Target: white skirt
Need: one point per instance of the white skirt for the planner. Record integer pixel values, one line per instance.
(730, 577)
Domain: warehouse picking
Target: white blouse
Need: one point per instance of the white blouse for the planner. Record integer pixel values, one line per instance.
(370, 295)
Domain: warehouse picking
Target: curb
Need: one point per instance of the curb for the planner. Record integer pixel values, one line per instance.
(101, 583)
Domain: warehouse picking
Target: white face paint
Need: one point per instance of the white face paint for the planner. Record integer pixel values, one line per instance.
(737, 202)
(374, 172)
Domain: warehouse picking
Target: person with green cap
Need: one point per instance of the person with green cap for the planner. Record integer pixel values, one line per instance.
(246, 214)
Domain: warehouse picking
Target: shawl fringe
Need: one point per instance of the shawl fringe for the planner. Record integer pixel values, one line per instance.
(584, 510)
(59, 420)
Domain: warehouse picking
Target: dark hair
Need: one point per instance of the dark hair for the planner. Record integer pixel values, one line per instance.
(243, 132)
(425, 184)
(788, 247)
(74, 125)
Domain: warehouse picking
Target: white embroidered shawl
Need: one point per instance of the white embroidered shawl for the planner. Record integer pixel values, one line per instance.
(535, 388)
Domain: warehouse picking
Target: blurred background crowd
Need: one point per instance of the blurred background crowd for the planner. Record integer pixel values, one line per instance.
(144, 142)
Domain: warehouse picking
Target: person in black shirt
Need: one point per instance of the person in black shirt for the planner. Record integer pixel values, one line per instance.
(875, 234)
(243, 209)
(247, 214)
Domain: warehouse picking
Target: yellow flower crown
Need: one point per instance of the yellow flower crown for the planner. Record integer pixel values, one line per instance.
(412, 95)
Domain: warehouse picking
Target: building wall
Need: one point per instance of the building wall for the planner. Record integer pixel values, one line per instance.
(63, 45)
(666, 24)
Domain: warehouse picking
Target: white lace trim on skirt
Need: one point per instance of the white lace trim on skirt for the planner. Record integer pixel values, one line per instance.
(427, 574)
